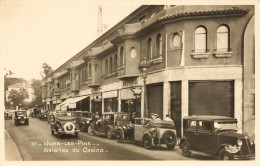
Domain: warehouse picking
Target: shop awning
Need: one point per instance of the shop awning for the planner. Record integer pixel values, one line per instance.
(71, 102)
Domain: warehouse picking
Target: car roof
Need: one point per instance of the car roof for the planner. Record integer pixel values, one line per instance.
(210, 118)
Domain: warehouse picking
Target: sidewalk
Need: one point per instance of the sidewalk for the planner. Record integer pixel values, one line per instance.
(11, 151)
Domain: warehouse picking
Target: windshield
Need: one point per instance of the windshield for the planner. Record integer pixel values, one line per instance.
(225, 125)
(21, 113)
(86, 115)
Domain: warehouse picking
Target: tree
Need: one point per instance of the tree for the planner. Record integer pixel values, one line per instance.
(17, 96)
(46, 70)
(36, 84)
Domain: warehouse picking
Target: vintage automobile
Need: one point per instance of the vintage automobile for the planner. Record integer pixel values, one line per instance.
(216, 136)
(150, 132)
(35, 112)
(43, 115)
(64, 124)
(108, 124)
(20, 117)
(83, 120)
(8, 115)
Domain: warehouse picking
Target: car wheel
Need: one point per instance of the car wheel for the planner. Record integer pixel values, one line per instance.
(119, 136)
(59, 135)
(169, 138)
(91, 131)
(224, 155)
(76, 134)
(186, 149)
(52, 132)
(109, 134)
(148, 142)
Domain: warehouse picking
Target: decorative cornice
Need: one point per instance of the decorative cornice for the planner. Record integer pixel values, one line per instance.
(235, 11)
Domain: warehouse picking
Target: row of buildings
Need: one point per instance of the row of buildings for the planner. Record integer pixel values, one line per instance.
(164, 59)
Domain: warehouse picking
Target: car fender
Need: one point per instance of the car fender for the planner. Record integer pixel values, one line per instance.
(146, 133)
(110, 127)
(182, 140)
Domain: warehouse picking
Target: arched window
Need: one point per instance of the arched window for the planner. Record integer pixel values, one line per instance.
(83, 76)
(176, 41)
(106, 67)
(223, 39)
(89, 70)
(111, 65)
(115, 59)
(149, 49)
(201, 40)
(86, 74)
(122, 56)
(159, 45)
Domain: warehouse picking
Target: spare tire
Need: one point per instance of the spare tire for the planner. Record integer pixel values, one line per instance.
(169, 139)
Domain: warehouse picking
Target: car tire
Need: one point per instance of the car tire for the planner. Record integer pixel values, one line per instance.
(224, 155)
(186, 149)
(147, 141)
(91, 130)
(59, 135)
(76, 134)
(52, 132)
(169, 138)
(109, 134)
(119, 136)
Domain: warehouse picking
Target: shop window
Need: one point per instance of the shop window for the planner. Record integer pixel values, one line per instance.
(122, 56)
(110, 105)
(111, 65)
(106, 66)
(223, 39)
(149, 49)
(159, 45)
(115, 59)
(200, 40)
(89, 70)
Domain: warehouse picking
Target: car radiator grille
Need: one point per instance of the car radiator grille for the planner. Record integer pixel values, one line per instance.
(246, 148)
(22, 118)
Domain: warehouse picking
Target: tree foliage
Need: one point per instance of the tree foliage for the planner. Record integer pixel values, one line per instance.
(46, 70)
(17, 96)
(36, 84)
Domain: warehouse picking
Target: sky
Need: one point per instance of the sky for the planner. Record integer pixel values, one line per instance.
(35, 31)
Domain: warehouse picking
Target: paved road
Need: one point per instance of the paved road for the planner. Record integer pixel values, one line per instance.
(35, 142)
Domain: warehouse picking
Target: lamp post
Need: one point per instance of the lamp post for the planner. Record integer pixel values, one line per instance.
(143, 66)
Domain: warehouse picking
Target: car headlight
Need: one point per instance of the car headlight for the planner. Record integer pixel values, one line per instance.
(239, 142)
(88, 121)
(19, 117)
(232, 149)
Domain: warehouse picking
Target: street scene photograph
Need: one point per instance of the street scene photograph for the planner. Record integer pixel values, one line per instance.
(96, 81)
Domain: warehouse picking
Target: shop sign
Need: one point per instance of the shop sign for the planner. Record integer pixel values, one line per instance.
(110, 94)
(130, 82)
(137, 91)
(97, 97)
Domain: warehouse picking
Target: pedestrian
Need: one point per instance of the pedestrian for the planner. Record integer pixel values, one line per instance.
(168, 118)
(155, 116)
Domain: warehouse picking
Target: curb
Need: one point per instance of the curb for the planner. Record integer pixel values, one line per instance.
(11, 150)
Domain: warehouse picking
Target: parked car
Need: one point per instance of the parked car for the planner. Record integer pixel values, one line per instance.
(35, 112)
(43, 115)
(20, 117)
(217, 136)
(8, 115)
(64, 124)
(150, 132)
(83, 119)
(108, 124)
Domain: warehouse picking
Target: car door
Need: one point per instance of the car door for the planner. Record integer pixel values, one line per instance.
(206, 136)
(191, 133)
(138, 130)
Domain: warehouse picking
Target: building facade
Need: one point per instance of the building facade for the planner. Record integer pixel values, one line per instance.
(195, 66)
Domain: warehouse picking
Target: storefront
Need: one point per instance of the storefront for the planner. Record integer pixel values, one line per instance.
(130, 102)
(110, 101)
(155, 99)
(96, 103)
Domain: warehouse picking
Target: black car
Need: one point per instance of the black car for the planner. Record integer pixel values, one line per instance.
(20, 117)
(43, 115)
(8, 115)
(217, 136)
(83, 119)
(108, 124)
(35, 112)
(64, 124)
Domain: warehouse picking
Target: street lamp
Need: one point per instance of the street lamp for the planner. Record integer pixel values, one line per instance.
(143, 66)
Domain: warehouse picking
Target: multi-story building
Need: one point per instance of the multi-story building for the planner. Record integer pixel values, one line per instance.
(197, 58)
